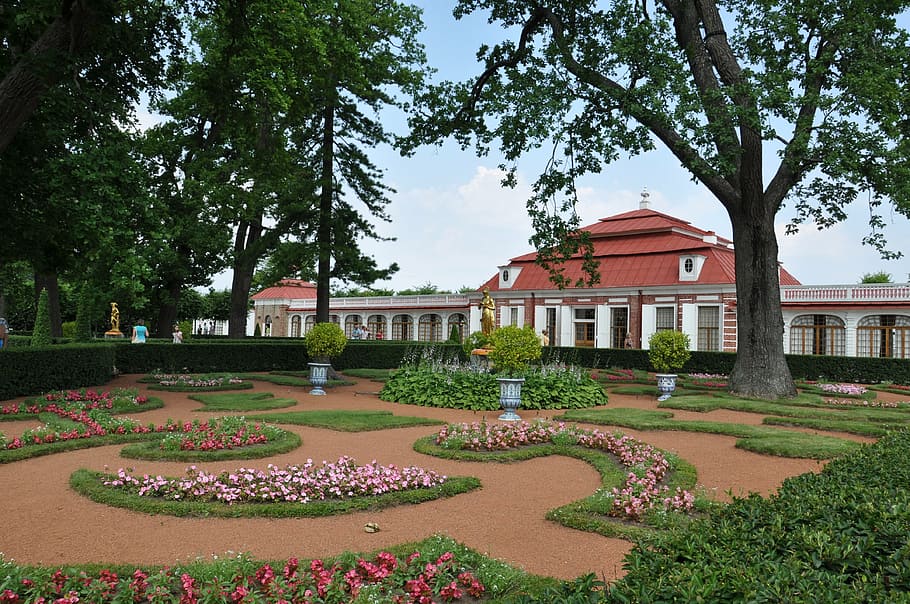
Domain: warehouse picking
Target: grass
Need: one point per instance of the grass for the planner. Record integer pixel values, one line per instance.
(346, 421)
(588, 514)
(287, 441)
(376, 375)
(89, 484)
(255, 401)
(758, 439)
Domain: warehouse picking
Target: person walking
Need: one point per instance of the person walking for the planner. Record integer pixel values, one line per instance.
(4, 332)
(140, 332)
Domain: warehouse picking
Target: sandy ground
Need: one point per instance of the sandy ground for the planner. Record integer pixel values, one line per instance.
(43, 522)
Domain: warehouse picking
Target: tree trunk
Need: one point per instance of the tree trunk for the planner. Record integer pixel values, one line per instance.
(244, 265)
(41, 67)
(760, 369)
(48, 281)
(167, 311)
(324, 230)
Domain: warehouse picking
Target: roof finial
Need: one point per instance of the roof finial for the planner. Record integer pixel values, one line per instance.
(644, 204)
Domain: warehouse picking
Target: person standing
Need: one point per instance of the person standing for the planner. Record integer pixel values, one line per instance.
(177, 335)
(140, 332)
(4, 332)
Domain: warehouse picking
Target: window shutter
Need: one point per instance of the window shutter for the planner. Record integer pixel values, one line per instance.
(648, 323)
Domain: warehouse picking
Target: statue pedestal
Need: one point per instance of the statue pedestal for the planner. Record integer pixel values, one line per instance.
(479, 359)
(114, 333)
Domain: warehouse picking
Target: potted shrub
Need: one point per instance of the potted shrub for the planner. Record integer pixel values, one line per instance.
(323, 341)
(668, 351)
(513, 348)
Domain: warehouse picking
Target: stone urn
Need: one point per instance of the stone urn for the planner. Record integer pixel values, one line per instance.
(319, 374)
(510, 398)
(666, 384)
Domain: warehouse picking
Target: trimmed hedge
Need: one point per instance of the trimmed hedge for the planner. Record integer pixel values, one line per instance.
(30, 370)
(43, 369)
(838, 536)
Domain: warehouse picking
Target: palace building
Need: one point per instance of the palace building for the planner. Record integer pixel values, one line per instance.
(656, 272)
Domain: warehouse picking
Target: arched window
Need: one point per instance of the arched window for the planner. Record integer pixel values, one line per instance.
(308, 323)
(268, 325)
(429, 328)
(817, 334)
(883, 336)
(351, 322)
(377, 326)
(460, 323)
(402, 327)
(295, 326)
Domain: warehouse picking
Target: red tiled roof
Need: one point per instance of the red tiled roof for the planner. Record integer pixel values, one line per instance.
(639, 248)
(287, 289)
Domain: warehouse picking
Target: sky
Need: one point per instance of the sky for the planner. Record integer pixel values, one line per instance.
(454, 224)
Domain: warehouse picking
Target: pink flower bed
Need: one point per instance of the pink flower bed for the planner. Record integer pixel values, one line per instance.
(852, 389)
(642, 490)
(341, 480)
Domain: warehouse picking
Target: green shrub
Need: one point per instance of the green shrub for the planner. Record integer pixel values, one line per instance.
(513, 348)
(324, 341)
(41, 334)
(668, 350)
(837, 536)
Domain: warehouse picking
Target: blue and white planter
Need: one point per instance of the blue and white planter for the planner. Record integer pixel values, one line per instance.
(666, 384)
(510, 398)
(319, 374)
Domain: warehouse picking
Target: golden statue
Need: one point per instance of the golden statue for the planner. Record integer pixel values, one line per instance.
(115, 318)
(487, 313)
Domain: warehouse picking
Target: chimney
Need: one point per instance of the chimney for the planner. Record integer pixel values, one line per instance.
(644, 204)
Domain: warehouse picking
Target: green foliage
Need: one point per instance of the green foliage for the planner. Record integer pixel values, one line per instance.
(474, 341)
(879, 277)
(258, 401)
(759, 439)
(513, 348)
(668, 350)
(257, 331)
(324, 341)
(454, 335)
(41, 334)
(83, 327)
(346, 421)
(838, 536)
(435, 385)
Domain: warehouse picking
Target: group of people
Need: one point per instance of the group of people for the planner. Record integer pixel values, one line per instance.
(361, 332)
(141, 333)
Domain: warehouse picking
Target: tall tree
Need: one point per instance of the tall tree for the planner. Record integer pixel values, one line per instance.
(725, 86)
(106, 45)
(370, 56)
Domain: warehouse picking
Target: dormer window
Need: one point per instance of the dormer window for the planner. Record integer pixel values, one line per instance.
(507, 276)
(690, 266)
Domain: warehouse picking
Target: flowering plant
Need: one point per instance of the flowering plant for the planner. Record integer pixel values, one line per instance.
(218, 433)
(300, 484)
(385, 578)
(850, 389)
(648, 467)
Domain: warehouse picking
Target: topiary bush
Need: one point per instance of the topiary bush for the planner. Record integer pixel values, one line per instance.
(513, 349)
(668, 350)
(41, 334)
(324, 341)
